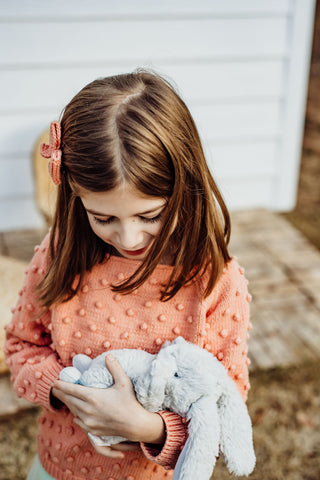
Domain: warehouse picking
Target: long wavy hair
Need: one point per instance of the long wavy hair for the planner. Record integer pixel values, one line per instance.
(135, 128)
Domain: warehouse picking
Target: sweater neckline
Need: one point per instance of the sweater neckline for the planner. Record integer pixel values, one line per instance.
(132, 262)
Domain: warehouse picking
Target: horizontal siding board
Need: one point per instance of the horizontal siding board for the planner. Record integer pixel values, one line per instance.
(242, 160)
(19, 213)
(230, 81)
(16, 177)
(240, 195)
(87, 42)
(19, 132)
(41, 88)
(218, 123)
(232, 122)
(75, 9)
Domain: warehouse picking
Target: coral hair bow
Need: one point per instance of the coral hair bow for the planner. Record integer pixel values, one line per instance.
(53, 152)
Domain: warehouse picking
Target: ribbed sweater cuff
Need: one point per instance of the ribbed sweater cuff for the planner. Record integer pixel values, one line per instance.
(48, 375)
(176, 436)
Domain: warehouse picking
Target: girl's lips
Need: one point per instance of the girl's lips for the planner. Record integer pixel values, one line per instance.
(135, 252)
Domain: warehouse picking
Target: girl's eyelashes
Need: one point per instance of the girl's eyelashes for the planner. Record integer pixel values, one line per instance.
(109, 220)
(153, 219)
(102, 222)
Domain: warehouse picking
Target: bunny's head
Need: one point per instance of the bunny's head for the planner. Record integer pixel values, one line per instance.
(176, 381)
(188, 382)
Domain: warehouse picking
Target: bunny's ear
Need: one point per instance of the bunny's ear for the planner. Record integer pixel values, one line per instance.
(81, 362)
(198, 457)
(236, 431)
(70, 374)
(179, 341)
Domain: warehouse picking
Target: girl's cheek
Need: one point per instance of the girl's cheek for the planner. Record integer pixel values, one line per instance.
(100, 230)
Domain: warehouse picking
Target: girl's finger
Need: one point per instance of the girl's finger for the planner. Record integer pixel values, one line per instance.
(118, 374)
(75, 405)
(127, 446)
(81, 424)
(107, 451)
(78, 391)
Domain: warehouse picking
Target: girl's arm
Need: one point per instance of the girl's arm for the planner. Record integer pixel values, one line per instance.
(227, 325)
(33, 363)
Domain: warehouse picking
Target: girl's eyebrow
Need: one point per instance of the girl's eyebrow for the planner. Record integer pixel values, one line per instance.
(99, 214)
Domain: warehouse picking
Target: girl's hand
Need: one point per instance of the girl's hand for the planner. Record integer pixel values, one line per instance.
(111, 411)
(115, 451)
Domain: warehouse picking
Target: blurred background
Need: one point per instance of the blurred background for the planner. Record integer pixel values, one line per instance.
(249, 70)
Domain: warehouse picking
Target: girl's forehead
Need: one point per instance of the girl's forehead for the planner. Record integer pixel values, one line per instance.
(121, 201)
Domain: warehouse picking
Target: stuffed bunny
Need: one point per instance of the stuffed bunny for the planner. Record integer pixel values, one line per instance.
(191, 382)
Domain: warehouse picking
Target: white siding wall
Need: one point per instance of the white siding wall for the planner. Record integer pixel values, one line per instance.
(241, 66)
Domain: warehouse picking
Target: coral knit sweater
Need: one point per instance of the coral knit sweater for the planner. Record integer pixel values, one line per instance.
(97, 319)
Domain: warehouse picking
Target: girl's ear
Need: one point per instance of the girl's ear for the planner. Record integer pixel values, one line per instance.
(236, 432)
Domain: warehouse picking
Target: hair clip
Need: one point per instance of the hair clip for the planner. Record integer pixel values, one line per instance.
(53, 152)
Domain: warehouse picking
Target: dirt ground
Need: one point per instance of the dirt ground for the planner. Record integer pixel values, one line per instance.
(284, 405)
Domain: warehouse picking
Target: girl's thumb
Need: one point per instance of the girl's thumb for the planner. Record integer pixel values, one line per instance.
(115, 369)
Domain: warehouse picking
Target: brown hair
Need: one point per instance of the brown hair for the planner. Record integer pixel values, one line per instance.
(135, 127)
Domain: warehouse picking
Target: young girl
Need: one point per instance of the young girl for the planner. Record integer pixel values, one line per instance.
(137, 255)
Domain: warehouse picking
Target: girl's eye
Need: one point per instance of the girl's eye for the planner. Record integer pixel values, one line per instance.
(102, 222)
(153, 219)
(143, 219)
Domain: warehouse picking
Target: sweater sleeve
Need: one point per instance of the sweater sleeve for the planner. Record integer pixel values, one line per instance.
(29, 352)
(176, 436)
(227, 324)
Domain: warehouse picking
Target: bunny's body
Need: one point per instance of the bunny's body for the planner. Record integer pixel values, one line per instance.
(189, 381)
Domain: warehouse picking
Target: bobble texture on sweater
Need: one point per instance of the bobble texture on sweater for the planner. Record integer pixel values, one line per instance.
(39, 344)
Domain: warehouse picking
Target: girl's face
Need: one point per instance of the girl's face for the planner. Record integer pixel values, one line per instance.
(125, 218)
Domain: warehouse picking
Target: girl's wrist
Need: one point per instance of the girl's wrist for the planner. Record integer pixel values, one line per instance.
(151, 428)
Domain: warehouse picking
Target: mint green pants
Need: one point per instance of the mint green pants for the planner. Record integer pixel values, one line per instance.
(37, 472)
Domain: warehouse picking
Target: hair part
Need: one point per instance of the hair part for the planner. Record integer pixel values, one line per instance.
(135, 128)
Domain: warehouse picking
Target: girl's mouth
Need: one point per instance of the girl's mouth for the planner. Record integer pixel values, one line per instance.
(135, 252)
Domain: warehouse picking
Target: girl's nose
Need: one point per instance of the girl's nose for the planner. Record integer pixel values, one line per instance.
(130, 237)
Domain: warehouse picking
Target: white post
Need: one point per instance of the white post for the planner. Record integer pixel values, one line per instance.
(295, 94)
